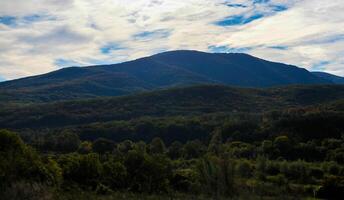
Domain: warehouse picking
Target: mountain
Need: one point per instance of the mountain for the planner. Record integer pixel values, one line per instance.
(189, 101)
(330, 77)
(169, 69)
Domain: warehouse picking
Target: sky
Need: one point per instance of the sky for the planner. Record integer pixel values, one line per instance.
(39, 36)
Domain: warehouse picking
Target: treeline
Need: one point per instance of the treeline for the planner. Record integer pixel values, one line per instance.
(216, 169)
(280, 147)
(302, 125)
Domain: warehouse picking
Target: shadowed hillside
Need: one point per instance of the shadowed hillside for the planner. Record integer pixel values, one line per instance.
(169, 69)
(330, 77)
(178, 101)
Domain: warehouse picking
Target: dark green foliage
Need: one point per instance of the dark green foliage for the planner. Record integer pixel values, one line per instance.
(27, 190)
(67, 142)
(102, 146)
(63, 142)
(283, 145)
(215, 145)
(194, 149)
(141, 146)
(186, 180)
(157, 146)
(228, 147)
(20, 162)
(125, 146)
(82, 169)
(190, 101)
(216, 176)
(237, 169)
(147, 173)
(261, 168)
(175, 150)
(114, 175)
(267, 148)
(244, 169)
(10, 142)
(240, 150)
(85, 147)
(240, 130)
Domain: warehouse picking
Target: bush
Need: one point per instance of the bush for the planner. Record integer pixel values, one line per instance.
(243, 168)
(114, 175)
(102, 146)
(20, 162)
(279, 179)
(27, 190)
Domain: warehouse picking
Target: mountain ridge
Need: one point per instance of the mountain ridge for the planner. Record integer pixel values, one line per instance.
(163, 70)
(334, 78)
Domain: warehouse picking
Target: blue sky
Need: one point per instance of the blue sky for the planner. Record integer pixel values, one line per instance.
(40, 36)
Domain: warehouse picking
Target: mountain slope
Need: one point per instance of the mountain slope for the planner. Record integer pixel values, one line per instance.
(330, 77)
(175, 68)
(238, 69)
(194, 100)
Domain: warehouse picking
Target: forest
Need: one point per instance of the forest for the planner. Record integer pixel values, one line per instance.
(292, 153)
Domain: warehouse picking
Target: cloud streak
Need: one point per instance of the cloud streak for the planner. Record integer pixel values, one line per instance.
(41, 36)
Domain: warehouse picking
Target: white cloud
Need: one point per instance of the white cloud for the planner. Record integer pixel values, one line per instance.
(310, 31)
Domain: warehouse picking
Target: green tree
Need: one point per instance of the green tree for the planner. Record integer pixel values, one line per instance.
(54, 171)
(20, 162)
(67, 142)
(261, 165)
(85, 147)
(216, 176)
(215, 145)
(267, 148)
(193, 149)
(243, 168)
(175, 150)
(90, 169)
(283, 144)
(140, 147)
(83, 169)
(134, 163)
(102, 145)
(10, 142)
(125, 146)
(148, 173)
(157, 146)
(157, 171)
(114, 174)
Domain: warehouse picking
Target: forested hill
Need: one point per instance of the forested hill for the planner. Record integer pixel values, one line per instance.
(169, 69)
(187, 101)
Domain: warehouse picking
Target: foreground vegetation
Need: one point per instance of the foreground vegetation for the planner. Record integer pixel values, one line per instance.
(207, 143)
(104, 169)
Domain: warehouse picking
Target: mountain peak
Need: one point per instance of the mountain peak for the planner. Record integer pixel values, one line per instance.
(163, 70)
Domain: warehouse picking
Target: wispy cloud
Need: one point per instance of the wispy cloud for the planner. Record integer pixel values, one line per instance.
(227, 49)
(61, 62)
(239, 20)
(110, 47)
(39, 37)
(152, 35)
